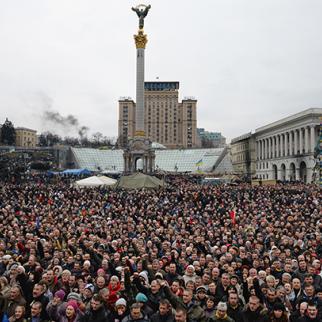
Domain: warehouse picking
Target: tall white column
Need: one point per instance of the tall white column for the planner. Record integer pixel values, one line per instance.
(290, 141)
(264, 149)
(306, 139)
(301, 141)
(139, 115)
(285, 144)
(278, 151)
(274, 146)
(296, 142)
(282, 145)
(312, 139)
(269, 148)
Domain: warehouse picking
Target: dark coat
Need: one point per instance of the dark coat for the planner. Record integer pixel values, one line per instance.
(157, 317)
(259, 315)
(235, 314)
(94, 316)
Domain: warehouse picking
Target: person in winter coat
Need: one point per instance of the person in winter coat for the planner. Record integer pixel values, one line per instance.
(154, 293)
(96, 313)
(254, 311)
(164, 313)
(55, 304)
(312, 314)
(279, 313)
(210, 307)
(114, 287)
(119, 311)
(221, 314)
(71, 314)
(145, 309)
(135, 314)
(234, 308)
(300, 312)
(15, 299)
(194, 311)
(19, 315)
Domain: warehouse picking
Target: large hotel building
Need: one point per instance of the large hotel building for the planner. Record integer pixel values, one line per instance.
(167, 121)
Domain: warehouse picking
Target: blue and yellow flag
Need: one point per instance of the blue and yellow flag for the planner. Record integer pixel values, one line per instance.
(199, 163)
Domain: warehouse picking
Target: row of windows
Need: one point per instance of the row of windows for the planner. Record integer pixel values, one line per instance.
(262, 165)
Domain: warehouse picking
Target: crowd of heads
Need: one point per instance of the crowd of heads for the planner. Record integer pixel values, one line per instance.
(186, 252)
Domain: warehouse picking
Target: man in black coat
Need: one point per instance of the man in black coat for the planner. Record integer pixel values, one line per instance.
(234, 308)
(164, 313)
(97, 312)
(254, 311)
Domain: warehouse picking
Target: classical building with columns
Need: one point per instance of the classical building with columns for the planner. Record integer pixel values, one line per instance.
(285, 148)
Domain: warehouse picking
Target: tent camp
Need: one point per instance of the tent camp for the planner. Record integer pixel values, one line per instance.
(138, 181)
(95, 182)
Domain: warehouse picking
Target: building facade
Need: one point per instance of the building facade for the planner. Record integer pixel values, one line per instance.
(285, 149)
(243, 156)
(215, 139)
(166, 120)
(26, 137)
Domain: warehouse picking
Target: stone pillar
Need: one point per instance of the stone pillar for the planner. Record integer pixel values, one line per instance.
(296, 142)
(273, 146)
(297, 173)
(312, 139)
(269, 148)
(277, 146)
(285, 144)
(140, 42)
(301, 141)
(257, 150)
(264, 149)
(306, 140)
(290, 141)
(261, 149)
(139, 115)
(282, 145)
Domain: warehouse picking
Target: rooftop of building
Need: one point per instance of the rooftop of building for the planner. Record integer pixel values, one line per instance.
(241, 137)
(161, 86)
(300, 115)
(20, 128)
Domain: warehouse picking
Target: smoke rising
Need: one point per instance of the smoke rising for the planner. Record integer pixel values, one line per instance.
(66, 123)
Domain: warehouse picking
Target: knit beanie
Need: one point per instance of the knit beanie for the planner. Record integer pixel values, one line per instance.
(73, 304)
(120, 301)
(140, 297)
(60, 294)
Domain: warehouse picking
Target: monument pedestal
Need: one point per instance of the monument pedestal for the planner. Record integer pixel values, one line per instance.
(139, 149)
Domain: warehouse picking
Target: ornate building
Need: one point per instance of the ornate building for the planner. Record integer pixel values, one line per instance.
(285, 148)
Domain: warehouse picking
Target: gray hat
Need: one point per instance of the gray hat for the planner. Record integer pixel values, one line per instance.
(222, 306)
(74, 296)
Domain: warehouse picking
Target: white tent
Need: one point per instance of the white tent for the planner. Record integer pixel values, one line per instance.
(95, 182)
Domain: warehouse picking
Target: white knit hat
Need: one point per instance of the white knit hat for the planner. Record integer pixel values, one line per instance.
(120, 301)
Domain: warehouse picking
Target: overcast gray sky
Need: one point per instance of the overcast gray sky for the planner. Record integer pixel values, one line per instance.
(248, 62)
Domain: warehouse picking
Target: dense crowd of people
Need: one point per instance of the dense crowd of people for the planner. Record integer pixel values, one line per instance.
(186, 252)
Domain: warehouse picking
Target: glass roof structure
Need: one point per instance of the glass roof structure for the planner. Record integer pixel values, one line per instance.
(179, 160)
